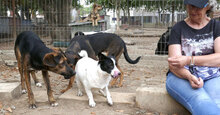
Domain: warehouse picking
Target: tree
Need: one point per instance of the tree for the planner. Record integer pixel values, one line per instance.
(149, 5)
(26, 7)
(115, 5)
(56, 13)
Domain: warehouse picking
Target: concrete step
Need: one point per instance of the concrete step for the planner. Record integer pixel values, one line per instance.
(157, 99)
(10, 90)
(151, 98)
(117, 97)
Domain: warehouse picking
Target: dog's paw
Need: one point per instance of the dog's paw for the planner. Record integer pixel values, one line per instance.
(120, 85)
(24, 91)
(54, 104)
(92, 103)
(79, 93)
(38, 84)
(32, 106)
(110, 102)
(63, 91)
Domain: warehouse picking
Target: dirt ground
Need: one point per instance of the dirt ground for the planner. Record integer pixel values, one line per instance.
(148, 72)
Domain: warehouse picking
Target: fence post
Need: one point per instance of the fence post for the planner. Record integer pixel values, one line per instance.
(173, 12)
(14, 20)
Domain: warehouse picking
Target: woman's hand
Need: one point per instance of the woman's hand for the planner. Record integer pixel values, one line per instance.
(179, 61)
(195, 82)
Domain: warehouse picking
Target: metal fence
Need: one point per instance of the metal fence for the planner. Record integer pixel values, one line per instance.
(56, 21)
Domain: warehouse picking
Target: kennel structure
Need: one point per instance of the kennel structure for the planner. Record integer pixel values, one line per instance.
(53, 21)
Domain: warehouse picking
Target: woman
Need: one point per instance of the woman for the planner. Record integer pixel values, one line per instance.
(194, 60)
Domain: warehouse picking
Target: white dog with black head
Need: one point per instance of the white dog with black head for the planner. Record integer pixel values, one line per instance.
(95, 74)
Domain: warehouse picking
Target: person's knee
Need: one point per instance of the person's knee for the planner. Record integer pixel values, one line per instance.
(204, 106)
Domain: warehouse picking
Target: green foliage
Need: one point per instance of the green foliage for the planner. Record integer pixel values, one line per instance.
(149, 5)
(85, 10)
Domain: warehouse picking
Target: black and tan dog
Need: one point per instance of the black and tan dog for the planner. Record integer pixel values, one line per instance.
(32, 54)
(96, 43)
(94, 15)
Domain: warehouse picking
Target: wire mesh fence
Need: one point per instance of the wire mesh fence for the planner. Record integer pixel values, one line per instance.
(56, 21)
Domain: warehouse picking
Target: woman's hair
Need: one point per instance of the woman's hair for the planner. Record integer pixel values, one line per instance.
(212, 5)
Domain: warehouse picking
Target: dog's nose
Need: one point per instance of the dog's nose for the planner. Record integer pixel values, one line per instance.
(117, 73)
(71, 72)
(67, 77)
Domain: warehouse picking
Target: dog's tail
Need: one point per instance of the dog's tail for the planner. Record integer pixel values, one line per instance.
(83, 53)
(128, 59)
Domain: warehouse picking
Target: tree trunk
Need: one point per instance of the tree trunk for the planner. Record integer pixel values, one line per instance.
(118, 14)
(58, 16)
(173, 10)
(128, 11)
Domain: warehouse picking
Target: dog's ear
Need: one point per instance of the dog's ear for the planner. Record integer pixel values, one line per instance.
(58, 50)
(101, 56)
(48, 60)
(75, 46)
(52, 59)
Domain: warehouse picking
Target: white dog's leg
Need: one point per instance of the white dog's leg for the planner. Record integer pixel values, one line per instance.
(38, 84)
(90, 96)
(24, 91)
(108, 96)
(102, 92)
(79, 86)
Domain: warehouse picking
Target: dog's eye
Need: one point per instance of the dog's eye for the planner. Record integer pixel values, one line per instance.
(71, 65)
(62, 64)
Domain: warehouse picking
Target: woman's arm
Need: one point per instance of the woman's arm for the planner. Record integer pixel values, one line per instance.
(180, 71)
(175, 53)
(211, 60)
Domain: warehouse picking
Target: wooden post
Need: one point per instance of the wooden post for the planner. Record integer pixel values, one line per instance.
(173, 10)
(14, 20)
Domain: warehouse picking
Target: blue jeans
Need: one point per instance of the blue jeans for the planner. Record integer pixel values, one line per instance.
(202, 101)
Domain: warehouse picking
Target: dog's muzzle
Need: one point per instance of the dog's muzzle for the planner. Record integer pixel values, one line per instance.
(68, 76)
(116, 74)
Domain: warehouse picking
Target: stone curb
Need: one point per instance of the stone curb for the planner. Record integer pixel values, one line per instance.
(117, 97)
(158, 100)
(10, 90)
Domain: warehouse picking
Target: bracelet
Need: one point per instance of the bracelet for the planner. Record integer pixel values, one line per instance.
(191, 65)
(192, 61)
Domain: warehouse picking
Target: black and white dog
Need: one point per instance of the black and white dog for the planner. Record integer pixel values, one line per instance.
(79, 33)
(95, 74)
